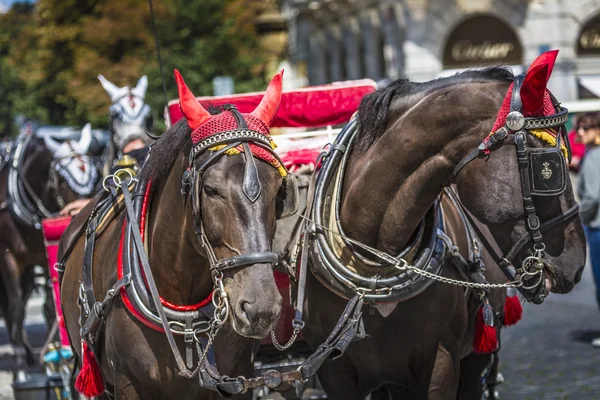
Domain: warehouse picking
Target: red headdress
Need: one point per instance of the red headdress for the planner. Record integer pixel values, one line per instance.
(204, 124)
(535, 96)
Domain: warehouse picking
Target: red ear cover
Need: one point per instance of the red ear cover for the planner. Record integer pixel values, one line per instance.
(195, 114)
(534, 86)
(269, 105)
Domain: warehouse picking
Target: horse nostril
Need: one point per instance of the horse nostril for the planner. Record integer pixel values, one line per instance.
(244, 309)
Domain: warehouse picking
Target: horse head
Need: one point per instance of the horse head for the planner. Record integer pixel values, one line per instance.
(239, 188)
(528, 202)
(73, 173)
(129, 117)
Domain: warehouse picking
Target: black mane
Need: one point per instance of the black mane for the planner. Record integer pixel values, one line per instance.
(164, 151)
(374, 109)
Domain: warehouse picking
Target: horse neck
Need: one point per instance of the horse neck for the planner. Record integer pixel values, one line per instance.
(181, 273)
(390, 187)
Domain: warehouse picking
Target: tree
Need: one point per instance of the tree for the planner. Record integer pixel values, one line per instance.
(54, 63)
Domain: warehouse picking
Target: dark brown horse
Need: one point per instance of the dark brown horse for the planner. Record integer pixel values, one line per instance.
(410, 139)
(473, 365)
(206, 211)
(40, 177)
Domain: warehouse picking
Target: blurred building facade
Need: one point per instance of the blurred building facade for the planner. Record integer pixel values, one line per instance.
(333, 40)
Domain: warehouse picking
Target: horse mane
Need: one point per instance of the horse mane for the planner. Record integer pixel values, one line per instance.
(374, 109)
(166, 149)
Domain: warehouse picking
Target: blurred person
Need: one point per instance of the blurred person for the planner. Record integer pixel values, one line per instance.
(588, 189)
(577, 150)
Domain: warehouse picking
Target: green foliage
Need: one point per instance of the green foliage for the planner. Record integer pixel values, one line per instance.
(51, 54)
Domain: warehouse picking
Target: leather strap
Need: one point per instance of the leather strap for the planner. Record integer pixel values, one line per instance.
(244, 260)
(139, 247)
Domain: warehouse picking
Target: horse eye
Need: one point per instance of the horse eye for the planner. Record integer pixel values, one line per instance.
(210, 192)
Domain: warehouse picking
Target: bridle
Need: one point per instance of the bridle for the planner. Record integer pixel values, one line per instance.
(251, 186)
(143, 117)
(543, 172)
(25, 203)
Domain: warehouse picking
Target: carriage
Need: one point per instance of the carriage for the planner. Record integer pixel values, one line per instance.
(313, 115)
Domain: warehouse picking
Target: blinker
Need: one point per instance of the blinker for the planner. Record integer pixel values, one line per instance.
(548, 171)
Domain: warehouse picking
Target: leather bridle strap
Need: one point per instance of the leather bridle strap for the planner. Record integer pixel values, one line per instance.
(533, 221)
(505, 261)
(36, 199)
(492, 142)
(526, 237)
(139, 247)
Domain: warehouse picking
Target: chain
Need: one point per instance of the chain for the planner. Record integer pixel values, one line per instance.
(214, 328)
(403, 266)
(288, 344)
(443, 279)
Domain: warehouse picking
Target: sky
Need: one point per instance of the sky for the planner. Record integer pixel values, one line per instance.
(5, 4)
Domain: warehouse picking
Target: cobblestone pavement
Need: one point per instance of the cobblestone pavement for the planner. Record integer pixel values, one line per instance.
(36, 328)
(548, 355)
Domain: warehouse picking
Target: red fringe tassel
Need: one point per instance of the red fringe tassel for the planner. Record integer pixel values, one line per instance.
(89, 381)
(513, 310)
(486, 341)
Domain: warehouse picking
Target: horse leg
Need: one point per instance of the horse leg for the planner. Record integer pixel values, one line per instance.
(471, 368)
(339, 379)
(16, 312)
(124, 389)
(445, 376)
(492, 378)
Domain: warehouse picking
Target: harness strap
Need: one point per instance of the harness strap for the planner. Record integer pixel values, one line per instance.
(491, 143)
(139, 247)
(504, 262)
(533, 221)
(43, 211)
(306, 231)
(87, 270)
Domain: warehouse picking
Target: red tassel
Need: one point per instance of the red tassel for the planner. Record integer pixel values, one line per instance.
(513, 310)
(486, 340)
(89, 381)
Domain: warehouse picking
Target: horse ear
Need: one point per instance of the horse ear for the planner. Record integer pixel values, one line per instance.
(52, 144)
(269, 104)
(85, 140)
(536, 81)
(110, 87)
(195, 114)
(141, 87)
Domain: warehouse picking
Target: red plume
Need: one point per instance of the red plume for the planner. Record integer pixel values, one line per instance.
(269, 105)
(534, 87)
(195, 114)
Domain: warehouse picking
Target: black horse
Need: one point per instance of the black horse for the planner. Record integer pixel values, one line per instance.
(379, 235)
